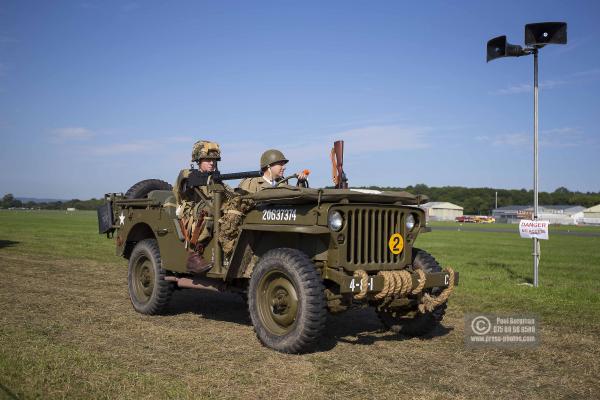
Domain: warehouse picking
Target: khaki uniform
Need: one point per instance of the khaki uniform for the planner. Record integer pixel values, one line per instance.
(253, 185)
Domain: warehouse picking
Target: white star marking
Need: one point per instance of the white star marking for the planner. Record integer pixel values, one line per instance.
(122, 219)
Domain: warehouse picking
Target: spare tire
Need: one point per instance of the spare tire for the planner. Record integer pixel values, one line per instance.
(141, 189)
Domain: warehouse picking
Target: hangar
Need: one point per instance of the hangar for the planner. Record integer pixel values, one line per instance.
(592, 215)
(441, 211)
(562, 215)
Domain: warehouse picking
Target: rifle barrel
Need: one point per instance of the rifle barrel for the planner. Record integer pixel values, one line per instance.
(198, 178)
(240, 175)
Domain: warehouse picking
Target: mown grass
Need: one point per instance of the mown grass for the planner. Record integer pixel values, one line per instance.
(67, 328)
(514, 227)
(55, 234)
(495, 267)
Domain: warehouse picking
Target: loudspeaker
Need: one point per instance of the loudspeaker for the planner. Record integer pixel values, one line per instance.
(544, 33)
(499, 47)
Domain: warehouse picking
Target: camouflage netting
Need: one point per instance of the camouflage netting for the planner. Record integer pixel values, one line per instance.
(234, 210)
(196, 224)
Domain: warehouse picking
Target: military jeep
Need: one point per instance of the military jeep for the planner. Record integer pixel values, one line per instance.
(299, 253)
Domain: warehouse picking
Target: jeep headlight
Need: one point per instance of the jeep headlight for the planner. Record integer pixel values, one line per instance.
(335, 221)
(409, 222)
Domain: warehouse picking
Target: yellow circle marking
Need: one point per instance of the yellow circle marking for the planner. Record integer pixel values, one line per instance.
(396, 243)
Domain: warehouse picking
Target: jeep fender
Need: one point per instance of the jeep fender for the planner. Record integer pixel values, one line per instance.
(255, 240)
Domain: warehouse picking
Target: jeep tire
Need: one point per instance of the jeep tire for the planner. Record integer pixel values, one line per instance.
(148, 290)
(286, 301)
(141, 189)
(413, 322)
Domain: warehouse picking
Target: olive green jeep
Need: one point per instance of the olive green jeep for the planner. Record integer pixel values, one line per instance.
(298, 253)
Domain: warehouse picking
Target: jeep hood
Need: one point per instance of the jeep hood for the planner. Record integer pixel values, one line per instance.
(296, 195)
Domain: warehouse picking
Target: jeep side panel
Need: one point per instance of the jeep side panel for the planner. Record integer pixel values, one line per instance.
(152, 222)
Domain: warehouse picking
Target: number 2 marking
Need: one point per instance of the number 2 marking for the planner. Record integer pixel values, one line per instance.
(396, 243)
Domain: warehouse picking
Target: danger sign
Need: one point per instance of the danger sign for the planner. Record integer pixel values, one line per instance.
(534, 229)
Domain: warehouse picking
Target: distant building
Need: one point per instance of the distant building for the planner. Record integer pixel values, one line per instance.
(441, 211)
(71, 209)
(561, 215)
(512, 214)
(591, 215)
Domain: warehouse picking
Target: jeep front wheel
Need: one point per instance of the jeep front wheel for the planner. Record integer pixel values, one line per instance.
(410, 321)
(286, 300)
(148, 290)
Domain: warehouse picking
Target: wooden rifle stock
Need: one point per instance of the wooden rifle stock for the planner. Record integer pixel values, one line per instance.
(337, 162)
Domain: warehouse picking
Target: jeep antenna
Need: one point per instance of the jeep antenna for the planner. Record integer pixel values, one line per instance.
(337, 163)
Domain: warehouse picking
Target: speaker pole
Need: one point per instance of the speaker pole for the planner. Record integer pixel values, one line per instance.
(536, 244)
(537, 36)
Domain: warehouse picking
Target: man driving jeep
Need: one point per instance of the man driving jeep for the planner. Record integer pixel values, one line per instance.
(272, 165)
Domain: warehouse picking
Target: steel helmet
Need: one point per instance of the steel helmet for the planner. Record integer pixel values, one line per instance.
(271, 157)
(205, 149)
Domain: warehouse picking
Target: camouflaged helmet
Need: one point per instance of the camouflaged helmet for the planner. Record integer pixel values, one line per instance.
(205, 149)
(271, 157)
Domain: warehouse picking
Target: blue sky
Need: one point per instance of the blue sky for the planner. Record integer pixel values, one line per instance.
(97, 95)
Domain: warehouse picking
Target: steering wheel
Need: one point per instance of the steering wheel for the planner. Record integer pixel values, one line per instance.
(299, 183)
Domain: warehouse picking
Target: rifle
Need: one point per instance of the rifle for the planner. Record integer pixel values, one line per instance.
(337, 163)
(197, 178)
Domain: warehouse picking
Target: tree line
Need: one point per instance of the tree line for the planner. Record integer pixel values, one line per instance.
(9, 201)
(481, 201)
(474, 200)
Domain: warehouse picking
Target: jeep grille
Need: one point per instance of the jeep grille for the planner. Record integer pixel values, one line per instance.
(368, 231)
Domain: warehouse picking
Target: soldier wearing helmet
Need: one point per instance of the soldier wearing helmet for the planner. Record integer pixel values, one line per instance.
(194, 205)
(272, 165)
(205, 154)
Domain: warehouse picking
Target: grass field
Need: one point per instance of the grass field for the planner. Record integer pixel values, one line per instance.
(68, 330)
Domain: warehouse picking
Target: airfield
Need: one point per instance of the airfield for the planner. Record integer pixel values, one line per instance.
(68, 329)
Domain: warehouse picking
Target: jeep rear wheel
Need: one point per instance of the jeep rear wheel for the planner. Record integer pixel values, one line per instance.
(148, 290)
(409, 321)
(286, 300)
